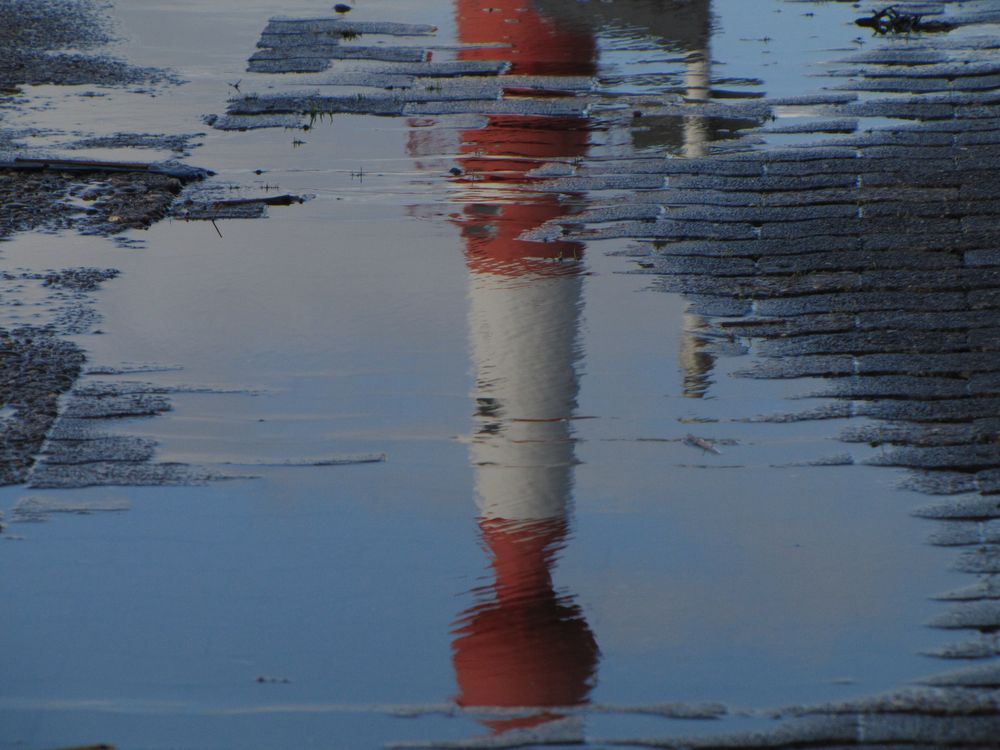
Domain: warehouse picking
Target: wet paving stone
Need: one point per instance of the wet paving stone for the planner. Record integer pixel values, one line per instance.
(970, 615)
(118, 473)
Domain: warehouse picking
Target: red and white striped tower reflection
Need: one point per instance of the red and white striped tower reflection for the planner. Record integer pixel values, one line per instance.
(522, 644)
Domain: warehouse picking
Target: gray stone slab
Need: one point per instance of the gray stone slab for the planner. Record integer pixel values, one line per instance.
(810, 100)
(859, 342)
(988, 481)
(943, 69)
(958, 534)
(289, 65)
(114, 407)
(618, 212)
(668, 229)
(931, 210)
(435, 69)
(984, 559)
(985, 383)
(940, 482)
(102, 448)
(33, 508)
(983, 615)
(901, 110)
(862, 301)
(339, 52)
(919, 56)
(282, 25)
(939, 320)
(255, 122)
(374, 79)
(747, 110)
(717, 306)
(817, 152)
(977, 138)
(983, 508)
(769, 183)
(544, 83)
(925, 701)
(603, 182)
(814, 731)
(901, 137)
(909, 433)
(829, 411)
(528, 107)
(868, 195)
(798, 326)
(764, 214)
(380, 103)
(987, 587)
(930, 730)
(922, 85)
(842, 125)
(800, 367)
(978, 648)
(696, 265)
(106, 474)
(941, 410)
(957, 125)
(987, 675)
(973, 189)
(760, 249)
(623, 166)
(981, 299)
(857, 260)
(894, 386)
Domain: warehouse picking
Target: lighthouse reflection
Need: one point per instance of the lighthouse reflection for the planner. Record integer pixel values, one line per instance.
(525, 643)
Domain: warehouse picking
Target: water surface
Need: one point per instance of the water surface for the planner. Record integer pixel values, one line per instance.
(543, 532)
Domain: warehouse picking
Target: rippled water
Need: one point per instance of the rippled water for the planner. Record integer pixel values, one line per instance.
(549, 530)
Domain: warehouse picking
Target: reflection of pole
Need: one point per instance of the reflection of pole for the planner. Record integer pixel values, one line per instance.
(696, 363)
(698, 85)
(522, 644)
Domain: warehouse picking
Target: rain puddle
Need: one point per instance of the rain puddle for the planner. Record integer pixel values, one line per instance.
(441, 483)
